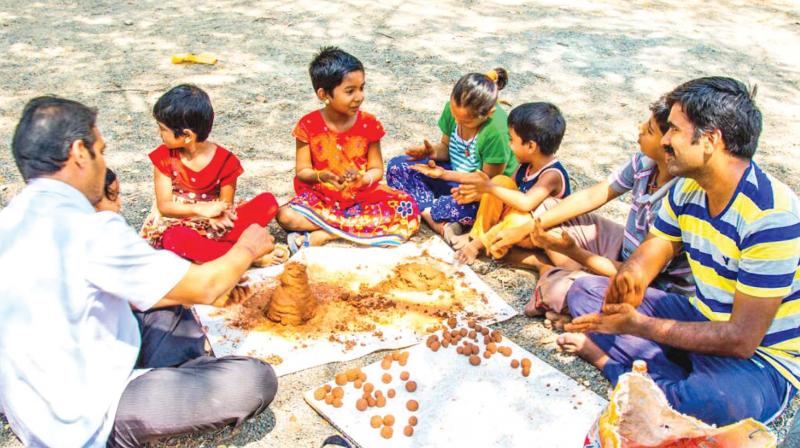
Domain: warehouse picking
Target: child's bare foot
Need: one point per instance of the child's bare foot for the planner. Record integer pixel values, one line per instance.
(460, 241)
(278, 255)
(451, 231)
(469, 253)
(580, 344)
(558, 320)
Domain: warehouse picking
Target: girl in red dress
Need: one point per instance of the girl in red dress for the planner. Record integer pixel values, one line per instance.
(339, 167)
(195, 183)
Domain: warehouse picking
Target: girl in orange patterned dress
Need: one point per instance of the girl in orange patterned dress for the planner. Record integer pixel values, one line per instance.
(339, 167)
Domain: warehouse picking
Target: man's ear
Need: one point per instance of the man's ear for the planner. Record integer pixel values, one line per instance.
(714, 141)
(79, 153)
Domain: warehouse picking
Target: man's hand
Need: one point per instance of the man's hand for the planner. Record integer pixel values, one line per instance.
(614, 319)
(550, 240)
(240, 293)
(627, 286)
(257, 240)
(420, 152)
(337, 182)
(504, 240)
(431, 169)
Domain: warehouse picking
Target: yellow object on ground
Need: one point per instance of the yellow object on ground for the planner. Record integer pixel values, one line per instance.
(639, 415)
(192, 58)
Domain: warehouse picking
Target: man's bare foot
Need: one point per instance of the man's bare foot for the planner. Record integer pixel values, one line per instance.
(580, 344)
(460, 241)
(469, 253)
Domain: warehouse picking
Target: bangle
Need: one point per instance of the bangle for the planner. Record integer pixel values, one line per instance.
(371, 179)
(318, 179)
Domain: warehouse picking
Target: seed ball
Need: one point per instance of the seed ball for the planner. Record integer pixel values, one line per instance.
(352, 375)
(514, 363)
(463, 332)
(408, 431)
(459, 350)
(526, 372)
(390, 393)
(337, 402)
(380, 401)
(403, 358)
(473, 334)
(327, 388)
(386, 378)
(329, 399)
(445, 344)
(487, 354)
(412, 405)
(386, 432)
(372, 402)
(475, 350)
(404, 375)
(491, 347)
(435, 346)
(319, 394)
(368, 387)
(341, 379)
(452, 322)
(485, 331)
(362, 376)
(386, 364)
(337, 392)
(376, 421)
(526, 363)
(471, 323)
(357, 384)
(474, 360)
(412, 420)
(361, 404)
(388, 419)
(411, 386)
(396, 356)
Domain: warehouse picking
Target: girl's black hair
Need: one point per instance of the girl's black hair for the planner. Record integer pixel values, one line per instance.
(330, 66)
(185, 107)
(478, 92)
(111, 176)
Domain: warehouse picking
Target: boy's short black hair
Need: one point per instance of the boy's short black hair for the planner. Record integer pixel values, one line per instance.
(721, 103)
(539, 122)
(111, 176)
(46, 131)
(660, 112)
(185, 107)
(330, 66)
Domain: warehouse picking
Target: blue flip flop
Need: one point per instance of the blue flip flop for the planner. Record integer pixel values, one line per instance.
(336, 440)
(291, 239)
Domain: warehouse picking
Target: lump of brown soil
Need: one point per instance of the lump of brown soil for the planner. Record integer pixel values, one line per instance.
(415, 277)
(292, 302)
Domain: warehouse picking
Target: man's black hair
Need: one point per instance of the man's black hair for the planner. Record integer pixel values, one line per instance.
(46, 131)
(721, 103)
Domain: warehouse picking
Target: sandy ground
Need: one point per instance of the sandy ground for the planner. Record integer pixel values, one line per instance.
(600, 62)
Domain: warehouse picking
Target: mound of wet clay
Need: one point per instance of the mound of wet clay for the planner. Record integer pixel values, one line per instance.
(292, 302)
(415, 276)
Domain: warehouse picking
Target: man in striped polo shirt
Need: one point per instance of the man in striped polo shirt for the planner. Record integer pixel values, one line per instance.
(732, 350)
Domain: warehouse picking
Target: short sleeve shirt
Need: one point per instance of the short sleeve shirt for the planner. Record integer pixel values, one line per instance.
(68, 338)
(752, 246)
(204, 185)
(491, 144)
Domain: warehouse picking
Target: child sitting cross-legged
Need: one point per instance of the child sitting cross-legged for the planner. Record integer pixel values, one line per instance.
(535, 133)
(195, 184)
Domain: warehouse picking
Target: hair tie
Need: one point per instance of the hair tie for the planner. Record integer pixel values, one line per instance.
(492, 74)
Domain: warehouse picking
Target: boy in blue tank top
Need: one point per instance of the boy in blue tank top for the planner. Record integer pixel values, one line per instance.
(535, 132)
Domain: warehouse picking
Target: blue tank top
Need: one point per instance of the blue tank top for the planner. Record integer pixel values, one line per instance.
(526, 182)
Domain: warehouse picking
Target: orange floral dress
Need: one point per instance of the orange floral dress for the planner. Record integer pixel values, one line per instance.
(375, 215)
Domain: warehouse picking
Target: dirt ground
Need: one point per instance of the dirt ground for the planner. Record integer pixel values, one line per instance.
(600, 62)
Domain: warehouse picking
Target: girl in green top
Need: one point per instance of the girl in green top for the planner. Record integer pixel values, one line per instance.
(474, 138)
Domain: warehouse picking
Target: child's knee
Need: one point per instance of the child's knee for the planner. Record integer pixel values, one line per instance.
(504, 181)
(287, 217)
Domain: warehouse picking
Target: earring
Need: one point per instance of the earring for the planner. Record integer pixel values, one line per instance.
(326, 101)
(187, 140)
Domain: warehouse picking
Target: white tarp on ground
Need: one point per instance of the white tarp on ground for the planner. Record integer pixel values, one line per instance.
(491, 405)
(357, 265)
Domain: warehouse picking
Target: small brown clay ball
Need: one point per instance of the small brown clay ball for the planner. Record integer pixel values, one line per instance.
(386, 364)
(412, 420)
(474, 360)
(380, 401)
(337, 402)
(514, 363)
(390, 393)
(357, 384)
(341, 379)
(454, 334)
(471, 323)
(408, 431)
(411, 386)
(526, 372)
(386, 432)
(352, 375)
(361, 404)
(404, 375)
(337, 392)
(435, 346)
(487, 354)
(452, 322)
(412, 405)
(473, 334)
(376, 421)
(372, 402)
(386, 378)
(526, 363)
(396, 356)
(497, 335)
(403, 358)
(368, 387)
(463, 332)
(485, 331)
(362, 376)
(459, 350)
(445, 344)
(319, 394)
(378, 393)
(475, 349)
(388, 419)
(329, 399)
(327, 388)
